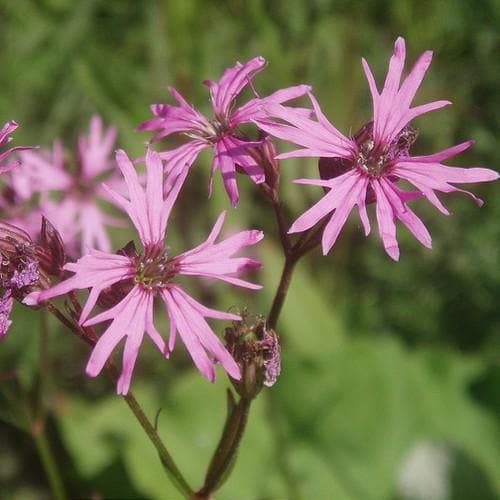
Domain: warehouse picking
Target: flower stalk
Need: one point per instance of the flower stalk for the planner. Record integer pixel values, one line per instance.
(88, 335)
(166, 459)
(226, 450)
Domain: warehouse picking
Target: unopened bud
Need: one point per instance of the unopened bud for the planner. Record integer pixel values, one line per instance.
(50, 250)
(265, 156)
(256, 349)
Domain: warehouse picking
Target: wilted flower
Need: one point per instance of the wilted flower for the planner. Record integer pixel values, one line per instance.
(370, 165)
(153, 273)
(23, 262)
(256, 349)
(68, 192)
(221, 133)
(23, 268)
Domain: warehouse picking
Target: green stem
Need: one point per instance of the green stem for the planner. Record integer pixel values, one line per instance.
(48, 462)
(227, 448)
(281, 292)
(166, 459)
(234, 428)
(281, 445)
(43, 365)
(88, 335)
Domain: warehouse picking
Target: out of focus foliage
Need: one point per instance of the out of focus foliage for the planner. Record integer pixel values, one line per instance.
(380, 360)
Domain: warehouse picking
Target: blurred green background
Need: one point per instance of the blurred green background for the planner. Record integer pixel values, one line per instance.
(390, 385)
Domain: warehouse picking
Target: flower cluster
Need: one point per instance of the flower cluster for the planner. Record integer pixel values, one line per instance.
(368, 167)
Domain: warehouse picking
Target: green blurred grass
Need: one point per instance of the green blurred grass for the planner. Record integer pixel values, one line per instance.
(378, 356)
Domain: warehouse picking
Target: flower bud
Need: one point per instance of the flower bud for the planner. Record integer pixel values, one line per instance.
(256, 349)
(265, 156)
(50, 250)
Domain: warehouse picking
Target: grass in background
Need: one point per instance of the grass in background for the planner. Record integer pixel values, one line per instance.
(378, 356)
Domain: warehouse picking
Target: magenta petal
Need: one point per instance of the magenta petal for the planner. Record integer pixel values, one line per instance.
(338, 188)
(344, 204)
(254, 109)
(196, 333)
(232, 82)
(154, 194)
(405, 214)
(216, 260)
(130, 322)
(385, 220)
(151, 330)
(132, 346)
(225, 162)
(205, 334)
(109, 339)
(191, 341)
(440, 155)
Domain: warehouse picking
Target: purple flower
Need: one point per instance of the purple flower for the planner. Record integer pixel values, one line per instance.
(5, 164)
(219, 133)
(69, 196)
(370, 165)
(153, 273)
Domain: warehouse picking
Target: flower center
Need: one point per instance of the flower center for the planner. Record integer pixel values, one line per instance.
(153, 268)
(377, 159)
(209, 130)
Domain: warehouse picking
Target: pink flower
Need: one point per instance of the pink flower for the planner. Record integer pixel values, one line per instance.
(69, 194)
(152, 273)
(219, 133)
(369, 165)
(5, 139)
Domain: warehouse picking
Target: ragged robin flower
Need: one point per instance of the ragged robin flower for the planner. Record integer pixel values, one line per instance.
(153, 273)
(369, 166)
(220, 132)
(67, 189)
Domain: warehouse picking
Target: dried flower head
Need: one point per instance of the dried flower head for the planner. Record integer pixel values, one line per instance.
(256, 349)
